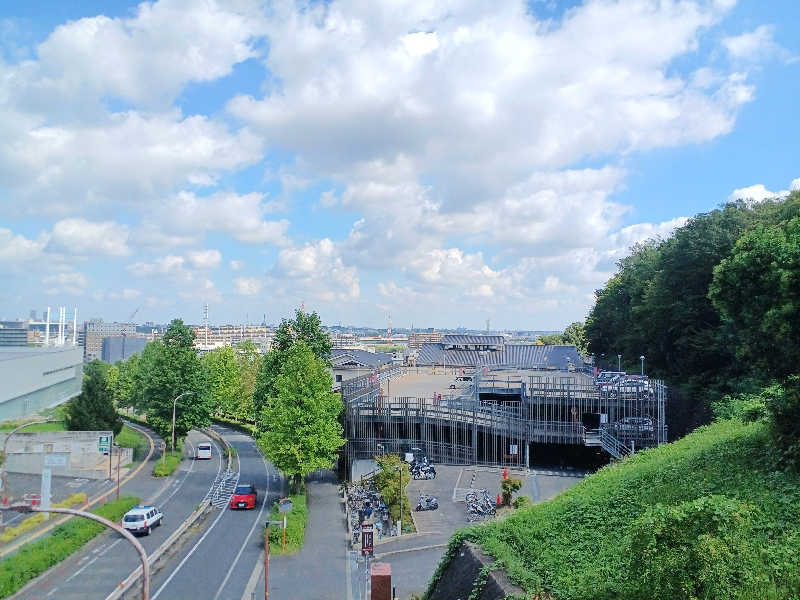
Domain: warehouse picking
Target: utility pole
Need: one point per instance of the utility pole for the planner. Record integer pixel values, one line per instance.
(119, 458)
(266, 562)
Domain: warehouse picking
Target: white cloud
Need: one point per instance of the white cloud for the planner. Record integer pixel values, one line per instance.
(16, 250)
(204, 259)
(757, 193)
(86, 238)
(237, 265)
(125, 294)
(755, 45)
(240, 216)
(795, 185)
(314, 271)
(247, 286)
(72, 283)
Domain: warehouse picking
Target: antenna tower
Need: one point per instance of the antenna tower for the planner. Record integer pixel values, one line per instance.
(487, 325)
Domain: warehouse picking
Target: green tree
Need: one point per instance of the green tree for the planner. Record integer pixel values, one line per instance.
(305, 327)
(94, 409)
(167, 369)
(249, 361)
(224, 381)
(122, 381)
(304, 433)
(575, 335)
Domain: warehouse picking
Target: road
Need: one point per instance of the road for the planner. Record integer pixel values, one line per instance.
(96, 571)
(217, 563)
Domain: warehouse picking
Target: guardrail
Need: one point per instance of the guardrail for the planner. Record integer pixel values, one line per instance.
(131, 580)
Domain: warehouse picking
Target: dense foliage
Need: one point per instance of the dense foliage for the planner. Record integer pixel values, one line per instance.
(393, 469)
(709, 516)
(296, 521)
(299, 425)
(713, 308)
(94, 409)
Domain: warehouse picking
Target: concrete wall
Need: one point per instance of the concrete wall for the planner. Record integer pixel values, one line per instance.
(35, 378)
(81, 457)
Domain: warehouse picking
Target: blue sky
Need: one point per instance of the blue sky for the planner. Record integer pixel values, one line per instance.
(441, 162)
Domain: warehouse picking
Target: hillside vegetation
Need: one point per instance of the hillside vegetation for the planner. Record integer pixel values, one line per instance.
(709, 516)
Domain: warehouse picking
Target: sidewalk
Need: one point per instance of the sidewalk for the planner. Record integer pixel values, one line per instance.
(318, 571)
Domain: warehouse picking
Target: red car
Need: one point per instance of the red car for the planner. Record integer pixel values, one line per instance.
(244, 496)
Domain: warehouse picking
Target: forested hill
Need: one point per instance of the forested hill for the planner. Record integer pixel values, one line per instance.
(715, 308)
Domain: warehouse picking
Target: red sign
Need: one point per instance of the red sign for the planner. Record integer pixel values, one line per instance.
(366, 539)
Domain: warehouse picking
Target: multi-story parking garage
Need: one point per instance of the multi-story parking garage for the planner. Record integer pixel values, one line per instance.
(497, 417)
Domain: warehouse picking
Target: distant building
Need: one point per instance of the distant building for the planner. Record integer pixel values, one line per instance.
(37, 378)
(93, 333)
(122, 347)
(351, 363)
(344, 340)
(417, 339)
(13, 336)
(230, 335)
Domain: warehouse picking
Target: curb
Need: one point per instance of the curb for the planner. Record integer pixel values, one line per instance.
(132, 579)
(417, 549)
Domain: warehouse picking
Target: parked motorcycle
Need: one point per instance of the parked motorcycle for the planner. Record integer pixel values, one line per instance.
(426, 502)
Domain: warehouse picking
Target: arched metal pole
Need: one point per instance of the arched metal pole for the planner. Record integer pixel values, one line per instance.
(102, 520)
(5, 453)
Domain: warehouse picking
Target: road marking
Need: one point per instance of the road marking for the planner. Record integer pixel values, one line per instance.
(89, 564)
(258, 569)
(51, 592)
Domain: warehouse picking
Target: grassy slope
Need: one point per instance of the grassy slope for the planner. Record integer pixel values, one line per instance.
(575, 545)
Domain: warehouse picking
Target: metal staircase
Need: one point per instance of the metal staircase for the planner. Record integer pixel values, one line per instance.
(603, 438)
(222, 489)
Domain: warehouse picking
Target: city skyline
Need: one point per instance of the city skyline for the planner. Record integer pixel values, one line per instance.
(442, 164)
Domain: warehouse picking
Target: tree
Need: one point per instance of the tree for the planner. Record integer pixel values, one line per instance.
(167, 369)
(249, 361)
(122, 381)
(94, 409)
(224, 381)
(304, 327)
(304, 433)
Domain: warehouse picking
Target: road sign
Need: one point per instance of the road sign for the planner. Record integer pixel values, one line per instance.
(104, 443)
(285, 505)
(366, 539)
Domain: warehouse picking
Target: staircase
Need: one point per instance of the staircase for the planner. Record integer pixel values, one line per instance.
(222, 489)
(607, 441)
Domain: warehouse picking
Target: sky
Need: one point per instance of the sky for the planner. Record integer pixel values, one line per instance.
(441, 162)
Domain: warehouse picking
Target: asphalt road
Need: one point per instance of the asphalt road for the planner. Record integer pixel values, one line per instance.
(96, 571)
(218, 561)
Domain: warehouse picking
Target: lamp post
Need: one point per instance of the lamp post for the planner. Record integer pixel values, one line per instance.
(174, 404)
(400, 520)
(641, 358)
(619, 362)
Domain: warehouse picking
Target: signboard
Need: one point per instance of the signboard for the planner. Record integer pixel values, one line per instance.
(366, 539)
(55, 460)
(104, 444)
(513, 449)
(285, 505)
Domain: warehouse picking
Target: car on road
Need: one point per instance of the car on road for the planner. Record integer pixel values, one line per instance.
(203, 451)
(634, 425)
(142, 519)
(244, 496)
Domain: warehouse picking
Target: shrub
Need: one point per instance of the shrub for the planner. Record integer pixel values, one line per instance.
(508, 487)
(167, 465)
(783, 404)
(521, 502)
(36, 557)
(295, 526)
(387, 480)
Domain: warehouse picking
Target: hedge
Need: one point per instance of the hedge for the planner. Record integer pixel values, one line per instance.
(295, 526)
(36, 557)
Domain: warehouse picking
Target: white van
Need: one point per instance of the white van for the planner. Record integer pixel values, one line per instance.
(203, 451)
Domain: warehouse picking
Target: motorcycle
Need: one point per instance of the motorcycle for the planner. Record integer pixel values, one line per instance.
(426, 502)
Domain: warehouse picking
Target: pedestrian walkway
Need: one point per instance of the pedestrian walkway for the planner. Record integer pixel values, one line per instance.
(318, 571)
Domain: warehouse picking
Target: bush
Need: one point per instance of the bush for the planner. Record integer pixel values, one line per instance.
(36, 557)
(295, 526)
(12, 533)
(71, 500)
(508, 487)
(521, 502)
(387, 480)
(783, 405)
(166, 466)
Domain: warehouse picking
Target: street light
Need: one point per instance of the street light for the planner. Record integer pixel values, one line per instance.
(400, 520)
(619, 362)
(641, 358)
(174, 404)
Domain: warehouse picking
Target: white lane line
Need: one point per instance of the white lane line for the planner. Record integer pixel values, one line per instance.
(51, 592)
(258, 569)
(188, 556)
(89, 564)
(239, 554)
(192, 551)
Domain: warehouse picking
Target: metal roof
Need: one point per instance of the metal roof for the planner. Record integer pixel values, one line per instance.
(341, 356)
(524, 356)
(482, 340)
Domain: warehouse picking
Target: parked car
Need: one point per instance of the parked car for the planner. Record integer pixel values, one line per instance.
(605, 377)
(462, 381)
(634, 425)
(244, 496)
(203, 451)
(142, 519)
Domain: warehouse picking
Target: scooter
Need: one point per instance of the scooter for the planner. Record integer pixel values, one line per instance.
(427, 503)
